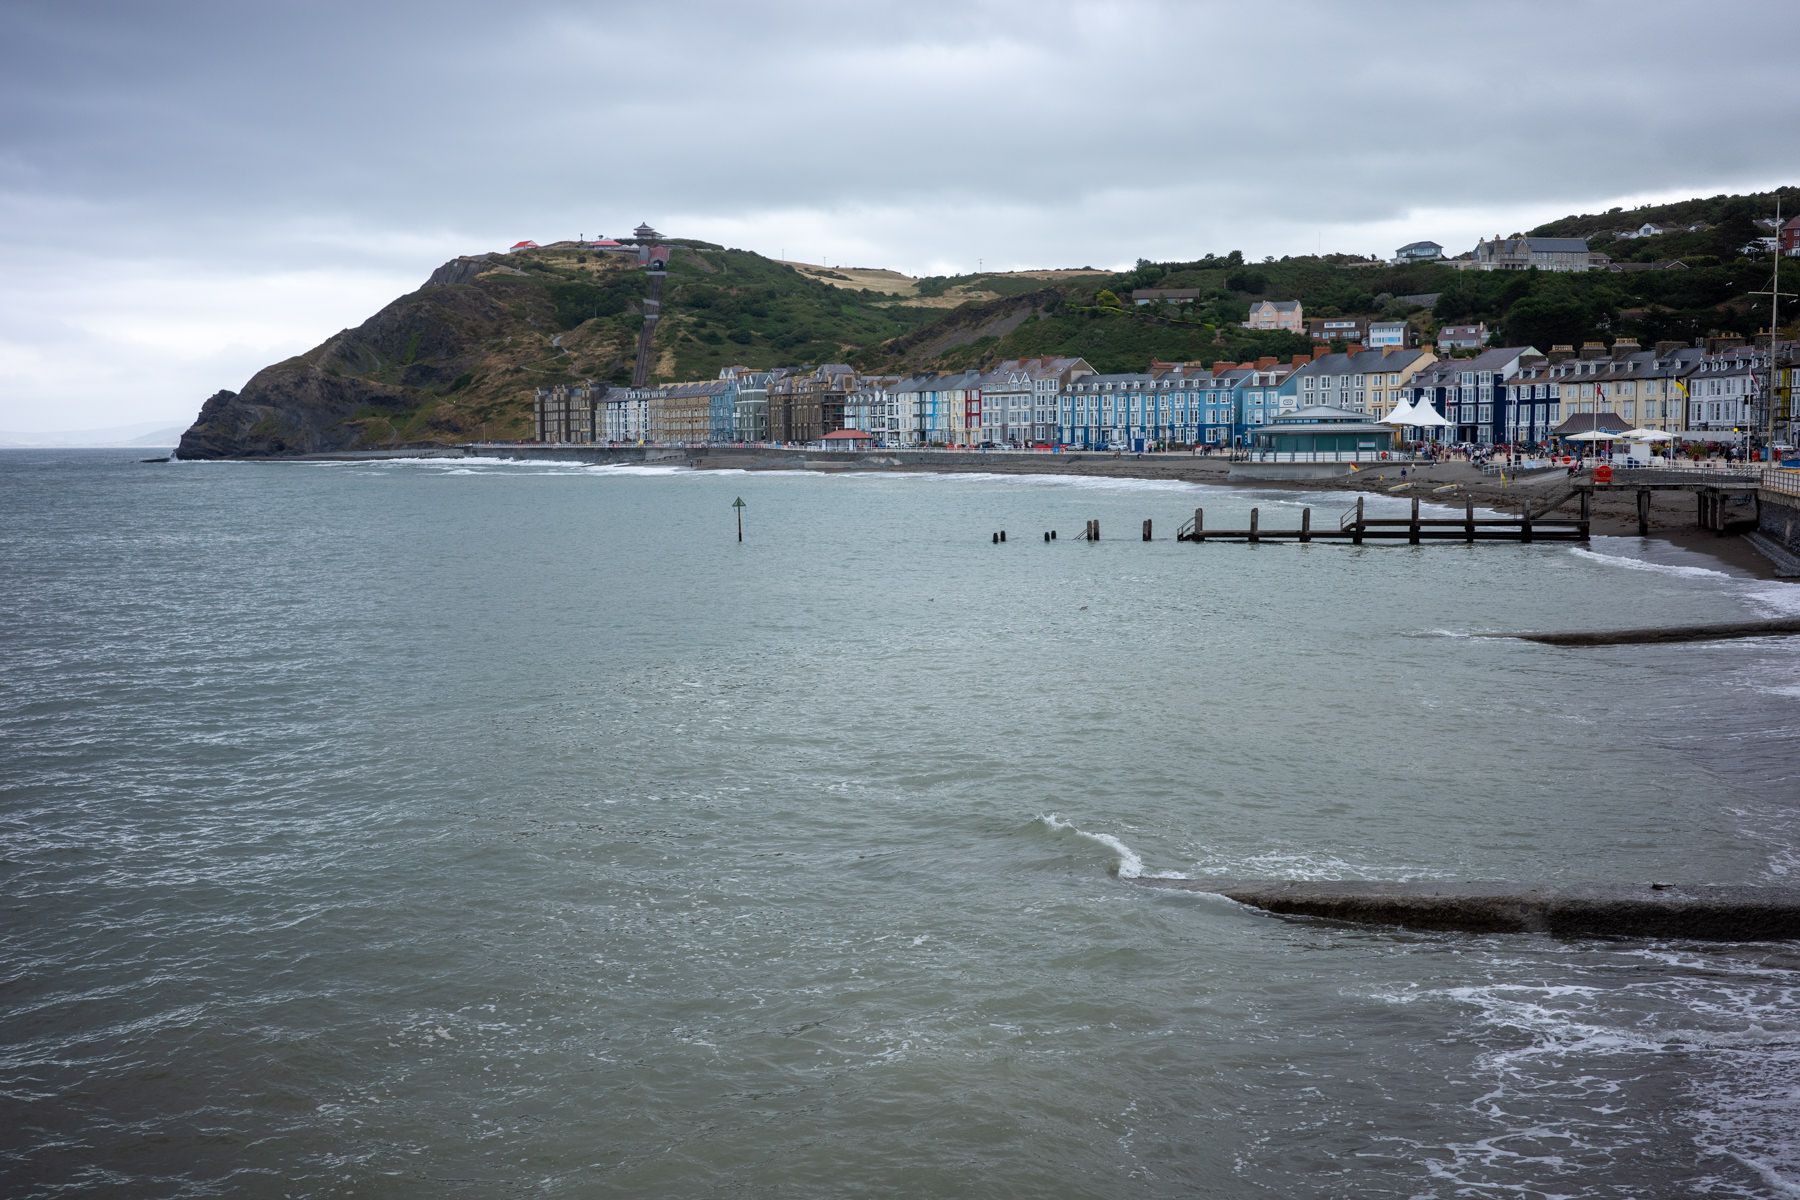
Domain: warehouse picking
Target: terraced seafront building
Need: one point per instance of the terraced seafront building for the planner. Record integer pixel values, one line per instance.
(805, 406)
(569, 412)
(1471, 394)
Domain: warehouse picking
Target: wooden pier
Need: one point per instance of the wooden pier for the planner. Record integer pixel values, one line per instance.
(1356, 527)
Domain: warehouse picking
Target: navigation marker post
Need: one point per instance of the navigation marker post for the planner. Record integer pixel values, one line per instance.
(739, 505)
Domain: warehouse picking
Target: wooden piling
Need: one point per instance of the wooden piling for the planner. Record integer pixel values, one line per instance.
(1357, 539)
(995, 539)
(1254, 513)
(1525, 524)
(1643, 505)
(1003, 535)
(1146, 529)
(1306, 524)
(1469, 518)
(1199, 522)
(1413, 539)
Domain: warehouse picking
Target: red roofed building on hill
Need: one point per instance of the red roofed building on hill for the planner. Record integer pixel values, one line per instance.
(522, 246)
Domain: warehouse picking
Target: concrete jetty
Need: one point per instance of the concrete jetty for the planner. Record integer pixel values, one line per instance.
(1729, 912)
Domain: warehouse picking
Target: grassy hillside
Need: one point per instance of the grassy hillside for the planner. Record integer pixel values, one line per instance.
(1713, 210)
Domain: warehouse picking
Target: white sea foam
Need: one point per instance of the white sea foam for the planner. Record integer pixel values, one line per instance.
(1778, 600)
(1638, 564)
(1089, 482)
(637, 469)
(1131, 866)
(467, 460)
(1723, 1024)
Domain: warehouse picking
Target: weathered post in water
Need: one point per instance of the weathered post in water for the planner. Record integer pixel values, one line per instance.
(1253, 516)
(1413, 535)
(1146, 529)
(1199, 522)
(1469, 518)
(1643, 512)
(738, 504)
(1356, 539)
(1306, 524)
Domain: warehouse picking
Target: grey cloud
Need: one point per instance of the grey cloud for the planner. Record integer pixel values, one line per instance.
(243, 138)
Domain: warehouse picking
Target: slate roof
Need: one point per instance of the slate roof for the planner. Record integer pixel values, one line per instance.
(1488, 362)
(1363, 362)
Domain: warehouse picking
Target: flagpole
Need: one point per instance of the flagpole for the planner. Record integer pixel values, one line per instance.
(1774, 320)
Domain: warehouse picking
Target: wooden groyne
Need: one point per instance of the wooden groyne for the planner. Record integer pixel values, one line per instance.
(1356, 527)
(1653, 634)
(1719, 912)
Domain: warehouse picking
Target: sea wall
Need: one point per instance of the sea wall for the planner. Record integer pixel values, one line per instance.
(1779, 520)
(1658, 910)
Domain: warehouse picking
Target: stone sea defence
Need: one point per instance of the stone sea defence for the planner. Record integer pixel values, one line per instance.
(1730, 912)
(1652, 634)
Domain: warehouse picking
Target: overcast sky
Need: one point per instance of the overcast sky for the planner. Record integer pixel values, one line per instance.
(190, 191)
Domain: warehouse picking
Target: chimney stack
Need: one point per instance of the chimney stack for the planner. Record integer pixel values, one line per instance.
(1593, 350)
(1664, 349)
(1625, 346)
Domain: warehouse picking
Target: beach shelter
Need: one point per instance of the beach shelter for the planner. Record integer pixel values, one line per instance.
(1594, 435)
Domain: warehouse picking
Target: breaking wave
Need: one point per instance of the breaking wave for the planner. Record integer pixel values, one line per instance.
(1130, 865)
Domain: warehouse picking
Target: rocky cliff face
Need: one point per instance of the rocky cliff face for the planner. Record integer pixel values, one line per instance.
(402, 376)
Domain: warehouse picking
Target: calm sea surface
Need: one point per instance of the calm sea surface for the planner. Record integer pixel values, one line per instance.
(474, 829)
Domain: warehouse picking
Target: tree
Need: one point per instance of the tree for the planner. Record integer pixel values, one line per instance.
(1547, 320)
(1107, 299)
(1253, 282)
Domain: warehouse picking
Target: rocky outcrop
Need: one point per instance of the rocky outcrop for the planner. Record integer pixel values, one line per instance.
(290, 408)
(972, 322)
(383, 383)
(460, 270)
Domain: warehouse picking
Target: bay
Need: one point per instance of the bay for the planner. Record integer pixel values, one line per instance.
(464, 827)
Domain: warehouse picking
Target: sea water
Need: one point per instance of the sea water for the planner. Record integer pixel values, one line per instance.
(464, 828)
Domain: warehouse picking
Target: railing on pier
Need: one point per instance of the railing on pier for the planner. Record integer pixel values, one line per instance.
(1651, 476)
(1783, 481)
